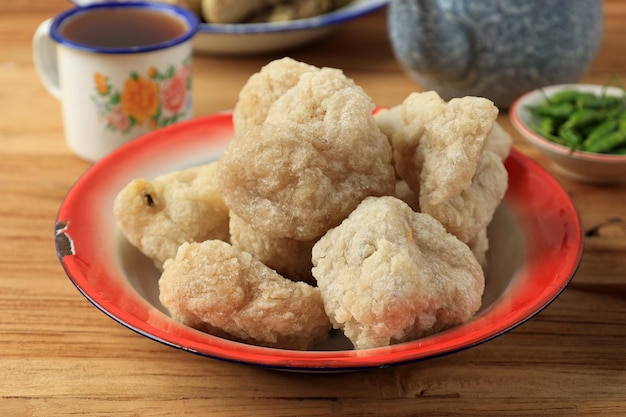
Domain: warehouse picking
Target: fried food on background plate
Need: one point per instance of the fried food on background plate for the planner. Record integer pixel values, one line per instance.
(183, 206)
(388, 274)
(251, 11)
(233, 11)
(216, 288)
(298, 9)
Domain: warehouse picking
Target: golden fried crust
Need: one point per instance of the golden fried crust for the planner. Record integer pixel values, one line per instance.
(158, 216)
(388, 274)
(215, 288)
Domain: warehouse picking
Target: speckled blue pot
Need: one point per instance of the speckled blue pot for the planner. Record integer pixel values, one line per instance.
(497, 49)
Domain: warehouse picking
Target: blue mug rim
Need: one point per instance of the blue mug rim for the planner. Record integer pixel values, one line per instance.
(187, 15)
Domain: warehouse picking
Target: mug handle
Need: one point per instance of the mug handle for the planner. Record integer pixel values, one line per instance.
(45, 58)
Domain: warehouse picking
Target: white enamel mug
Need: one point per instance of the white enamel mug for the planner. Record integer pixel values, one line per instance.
(110, 92)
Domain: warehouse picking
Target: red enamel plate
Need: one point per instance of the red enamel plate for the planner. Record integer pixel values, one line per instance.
(535, 237)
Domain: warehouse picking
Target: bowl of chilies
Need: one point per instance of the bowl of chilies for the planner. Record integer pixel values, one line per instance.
(581, 128)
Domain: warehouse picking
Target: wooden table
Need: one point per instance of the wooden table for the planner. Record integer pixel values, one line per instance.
(60, 356)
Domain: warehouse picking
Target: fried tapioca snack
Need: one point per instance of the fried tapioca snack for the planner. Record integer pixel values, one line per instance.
(453, 144)
(318, 154)
(479, 247)
(332, 104)
(290, 258)
(404, 125)
(287, 182)
(183, 206)
(216, 288)
(404, 193)
(451, 155)
(388, 274)
(498, 141)
(467, 213)
(263, 88)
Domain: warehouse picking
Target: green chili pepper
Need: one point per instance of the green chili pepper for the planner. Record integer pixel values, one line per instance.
(615, 112)
(592, 101)
(587, 101)
(599, 134)
(602, 130)
(563, 96)
(584, 117)
(622, 122)
(608, 102)
(547, 126)
(611, 141)
(571, 137)
(559, 111)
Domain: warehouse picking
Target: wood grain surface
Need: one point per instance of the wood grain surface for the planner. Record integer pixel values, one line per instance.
(61, 356)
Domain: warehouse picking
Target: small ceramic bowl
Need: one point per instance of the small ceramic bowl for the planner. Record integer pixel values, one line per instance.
(576, 165)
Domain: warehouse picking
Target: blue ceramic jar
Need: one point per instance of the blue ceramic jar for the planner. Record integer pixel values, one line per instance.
(497, 49)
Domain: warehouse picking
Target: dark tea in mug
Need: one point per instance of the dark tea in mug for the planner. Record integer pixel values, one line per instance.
(122, 28)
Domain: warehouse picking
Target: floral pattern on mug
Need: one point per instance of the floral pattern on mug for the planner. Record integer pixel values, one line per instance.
(156, 98)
